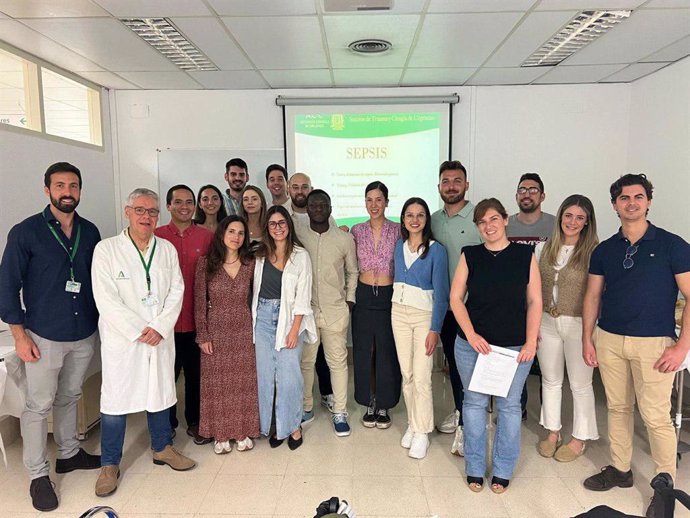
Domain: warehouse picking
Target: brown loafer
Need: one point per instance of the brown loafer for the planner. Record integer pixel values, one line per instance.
(107, 480)
(547, 448)
(173, 458)
(566, 454)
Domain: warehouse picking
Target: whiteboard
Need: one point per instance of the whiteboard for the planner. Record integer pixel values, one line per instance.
(197, 167)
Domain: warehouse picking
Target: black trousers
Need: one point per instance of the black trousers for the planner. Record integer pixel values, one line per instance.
(188, 357)
(449, 332)
(323, 373)
(377, 371)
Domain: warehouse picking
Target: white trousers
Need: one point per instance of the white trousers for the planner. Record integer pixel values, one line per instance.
(561, 346)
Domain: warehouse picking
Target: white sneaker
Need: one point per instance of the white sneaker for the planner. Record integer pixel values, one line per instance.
(221, 447)
(329, 402)
(450, 423)
(420, 443)
(458, 447)
(406, 440)
(245, 444)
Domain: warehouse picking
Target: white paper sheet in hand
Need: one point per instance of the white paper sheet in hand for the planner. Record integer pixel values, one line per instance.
(494, 372)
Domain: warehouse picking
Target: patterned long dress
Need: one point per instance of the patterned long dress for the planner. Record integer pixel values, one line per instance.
(229, 399)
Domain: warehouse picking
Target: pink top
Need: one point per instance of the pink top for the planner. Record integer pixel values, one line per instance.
(379, 259)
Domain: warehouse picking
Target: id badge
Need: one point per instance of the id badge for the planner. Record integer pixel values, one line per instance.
(73, 286)
(150, 300)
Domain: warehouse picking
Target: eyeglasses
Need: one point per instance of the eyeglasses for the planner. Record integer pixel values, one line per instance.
(140, 211)
(628, 261)
(277, 224)
(531, 190)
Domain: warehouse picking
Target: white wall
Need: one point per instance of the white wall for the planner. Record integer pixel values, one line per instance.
(574, 135)
(24, 159)
(660, 143)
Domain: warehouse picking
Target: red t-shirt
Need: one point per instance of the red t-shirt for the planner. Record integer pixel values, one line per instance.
(190, 245)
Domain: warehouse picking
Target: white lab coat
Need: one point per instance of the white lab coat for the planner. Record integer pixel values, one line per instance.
(136, 376)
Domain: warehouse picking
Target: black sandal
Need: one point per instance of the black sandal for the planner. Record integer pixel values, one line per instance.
(499, 485)
(274, 441)
(476, 484)
(293, 444)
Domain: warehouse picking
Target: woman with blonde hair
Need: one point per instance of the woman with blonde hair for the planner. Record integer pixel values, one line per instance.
(253, 211)
(563, 264)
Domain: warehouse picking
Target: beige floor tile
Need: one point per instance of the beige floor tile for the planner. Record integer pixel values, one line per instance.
(540, 497)
(384, 460)
(390, 496)
(14, 488)
(242, 494)
(439, 462)
(300, 494)
(34, 514)
(262, 460)
(450, 498)
(632, 500)
(76, 491)
(164, 491)
(322, 459)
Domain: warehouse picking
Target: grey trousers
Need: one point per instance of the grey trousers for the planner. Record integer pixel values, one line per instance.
(53, 383)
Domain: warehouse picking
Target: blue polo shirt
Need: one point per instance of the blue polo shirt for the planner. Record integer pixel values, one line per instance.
(640, 301)
(35, 263)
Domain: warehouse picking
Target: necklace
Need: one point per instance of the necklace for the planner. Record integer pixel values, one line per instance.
(496, 252)
(231, 262)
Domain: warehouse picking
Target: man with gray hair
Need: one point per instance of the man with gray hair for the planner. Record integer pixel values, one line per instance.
(138, 289)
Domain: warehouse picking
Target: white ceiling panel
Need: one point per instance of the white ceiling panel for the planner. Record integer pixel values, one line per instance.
(436, 76)
(50, 8)
(161, 80)
(343, 30)
(280, 42)
(109, 80)
(105, 41)
(580, 5)
(506, 76)
(632, 72)
(673, 52)
(313, 78)
(645, 32)
(226, 79)
(262, 7)
(154, 8)
(478, 6)
(528, 37)
(21, 36)
(367, 77)
(578, 74)
(668, 3)
(211, 37)
(398, 7)
(461, 40)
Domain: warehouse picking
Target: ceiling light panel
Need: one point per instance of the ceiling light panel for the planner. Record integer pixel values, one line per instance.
(163, 36)
(583, 29)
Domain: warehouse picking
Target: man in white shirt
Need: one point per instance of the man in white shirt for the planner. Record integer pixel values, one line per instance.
(138, 288)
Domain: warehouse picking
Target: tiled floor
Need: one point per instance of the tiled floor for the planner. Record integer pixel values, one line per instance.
(369, 469)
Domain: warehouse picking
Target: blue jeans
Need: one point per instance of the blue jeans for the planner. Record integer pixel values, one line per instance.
(507, 439)
(113, 434)
(277, 372)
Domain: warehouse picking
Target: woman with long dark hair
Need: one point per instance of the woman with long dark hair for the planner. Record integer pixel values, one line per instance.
(420, 302)
(210, 209)
(502, 310)
(564, 264)
(376, 368)
(222, 291)
(283, 320)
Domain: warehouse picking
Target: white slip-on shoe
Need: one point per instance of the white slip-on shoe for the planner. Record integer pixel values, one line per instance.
(458, 447)
(420, 443)
(450, 423)
(245, 444)
(406, 440)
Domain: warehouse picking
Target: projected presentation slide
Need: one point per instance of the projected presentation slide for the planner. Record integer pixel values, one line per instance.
(344, 152)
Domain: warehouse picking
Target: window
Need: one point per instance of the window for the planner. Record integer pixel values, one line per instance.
(18, 94)
(62, 106)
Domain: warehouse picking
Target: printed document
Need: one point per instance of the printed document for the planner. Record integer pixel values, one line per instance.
(494, 372)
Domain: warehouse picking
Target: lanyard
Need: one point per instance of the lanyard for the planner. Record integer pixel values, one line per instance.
(71, 254)
(147, 267)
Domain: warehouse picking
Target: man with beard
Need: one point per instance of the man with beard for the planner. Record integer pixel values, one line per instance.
(454, 228)
(334, 265)
(48, 257)
(237, 176)
(299, 188)
(530, 225)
